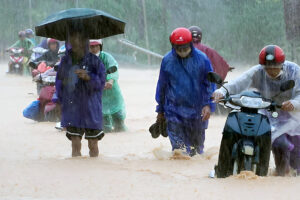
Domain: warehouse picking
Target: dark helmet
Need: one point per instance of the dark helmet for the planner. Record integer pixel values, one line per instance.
(196, 32)
(271, 54)
(22, 34)
(29, 32)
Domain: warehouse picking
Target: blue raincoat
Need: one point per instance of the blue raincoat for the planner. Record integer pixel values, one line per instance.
(183, 88)
(81, 100)
(182, 91)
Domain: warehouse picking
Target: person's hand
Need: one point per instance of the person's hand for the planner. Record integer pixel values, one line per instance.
(109, 84)
(162, 124)
(217, 96)
(82, 74)
(287, 106)
(160, 117)
(205, 113)
(49, 63)
(231, 68)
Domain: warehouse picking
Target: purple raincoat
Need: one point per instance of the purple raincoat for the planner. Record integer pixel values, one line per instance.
(81, 100)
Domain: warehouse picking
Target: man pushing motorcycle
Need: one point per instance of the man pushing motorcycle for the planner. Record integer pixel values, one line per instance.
(266, 78)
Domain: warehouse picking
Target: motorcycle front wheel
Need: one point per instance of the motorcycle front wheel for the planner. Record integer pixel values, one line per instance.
(225, 161)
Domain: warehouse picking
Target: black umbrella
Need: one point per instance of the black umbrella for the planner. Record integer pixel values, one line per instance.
(95, 24)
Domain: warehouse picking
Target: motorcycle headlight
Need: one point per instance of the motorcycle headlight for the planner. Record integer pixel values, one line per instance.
(251, 102)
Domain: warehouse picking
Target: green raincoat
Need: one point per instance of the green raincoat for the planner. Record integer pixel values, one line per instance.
(112, 99)
(26, 44)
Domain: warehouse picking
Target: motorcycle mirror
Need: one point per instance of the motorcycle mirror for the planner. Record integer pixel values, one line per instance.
(214, 78)
(32, 65)
(111, 70)
(287, 85)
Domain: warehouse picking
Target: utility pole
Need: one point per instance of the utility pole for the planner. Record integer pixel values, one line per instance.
(30, 14)
(146, 30)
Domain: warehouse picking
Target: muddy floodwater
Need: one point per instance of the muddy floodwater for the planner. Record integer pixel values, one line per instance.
(35, 161)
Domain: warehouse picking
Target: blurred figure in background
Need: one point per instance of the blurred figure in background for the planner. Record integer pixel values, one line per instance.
(27, 45)
(183, 93)
(218, 63)
(51, 56)
(113, 106)
(30, 35)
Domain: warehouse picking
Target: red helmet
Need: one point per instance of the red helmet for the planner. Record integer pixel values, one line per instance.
(272, 54)
(181, 36)
(96, 42)
(51, 40)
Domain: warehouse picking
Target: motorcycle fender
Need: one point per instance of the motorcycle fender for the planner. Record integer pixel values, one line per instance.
(264, 126)
(232, 124)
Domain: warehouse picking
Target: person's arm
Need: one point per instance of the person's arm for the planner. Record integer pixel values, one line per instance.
(16, 44)
(59, 80)
(295, 101)
(111, 62)
(209, 87)
(31, 45)
(161, 89)
(41, 58)
(95, 79)
(239, 84)
(113, 77)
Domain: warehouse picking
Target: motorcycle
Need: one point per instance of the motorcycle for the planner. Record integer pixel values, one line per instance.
(37, 52)
(16, 60)
(246, 140)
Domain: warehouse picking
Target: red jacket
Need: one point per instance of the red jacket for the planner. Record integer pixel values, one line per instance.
(219, 65)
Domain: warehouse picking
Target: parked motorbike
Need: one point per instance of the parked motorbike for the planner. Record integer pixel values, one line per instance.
(16, 60)
(246, 141)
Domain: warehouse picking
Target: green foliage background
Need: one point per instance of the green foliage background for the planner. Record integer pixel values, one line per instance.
(237, 29)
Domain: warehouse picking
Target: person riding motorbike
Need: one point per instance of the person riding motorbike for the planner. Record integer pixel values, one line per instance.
(30, 35)
(44, 63)
(51, 56)
(24, 43)
(266, 78)
(113, 106)
(27, 45)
